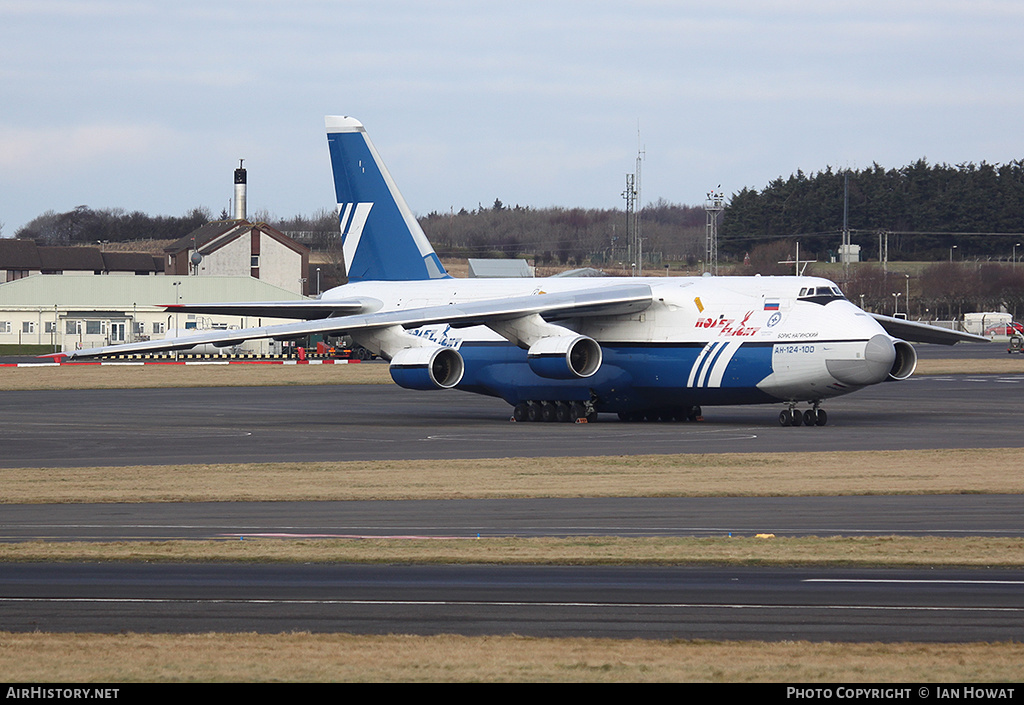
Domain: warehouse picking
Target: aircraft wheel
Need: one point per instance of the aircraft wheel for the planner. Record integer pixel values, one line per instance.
(822, 418)
(547, 411)
(785, 418)
(532, 411)
(577, 411)
(693, 413)
(810, 417)
(562, 412)
(796, 418)
(520, 412)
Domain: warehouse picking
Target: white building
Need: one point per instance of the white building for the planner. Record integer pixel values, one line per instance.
(68, 312)
(239, 248)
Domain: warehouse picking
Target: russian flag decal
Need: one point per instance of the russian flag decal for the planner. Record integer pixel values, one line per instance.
(771, 305)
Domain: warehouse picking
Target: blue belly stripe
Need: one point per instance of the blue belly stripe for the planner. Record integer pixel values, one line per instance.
(633, 376)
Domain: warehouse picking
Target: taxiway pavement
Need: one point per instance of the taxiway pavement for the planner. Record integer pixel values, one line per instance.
(596, 601)
(169, 426)
(364, 422)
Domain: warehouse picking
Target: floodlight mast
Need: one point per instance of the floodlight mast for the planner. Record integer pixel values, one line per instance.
(713, 207)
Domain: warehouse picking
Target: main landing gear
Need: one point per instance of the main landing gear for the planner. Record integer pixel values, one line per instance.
(791, 416)
(561, 411)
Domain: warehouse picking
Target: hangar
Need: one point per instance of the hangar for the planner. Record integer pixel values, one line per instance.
(67, 297)
(68, 312)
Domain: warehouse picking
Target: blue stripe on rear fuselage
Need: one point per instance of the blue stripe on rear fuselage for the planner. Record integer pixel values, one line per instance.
(633, 376)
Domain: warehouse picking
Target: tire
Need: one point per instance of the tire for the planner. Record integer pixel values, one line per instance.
(562, 412)
(532, 411)
(547, 411)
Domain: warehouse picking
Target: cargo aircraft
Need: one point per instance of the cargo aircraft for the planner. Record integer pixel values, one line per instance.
(568, 348)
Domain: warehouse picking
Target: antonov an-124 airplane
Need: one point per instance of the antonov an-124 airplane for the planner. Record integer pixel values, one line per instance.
(569, 348)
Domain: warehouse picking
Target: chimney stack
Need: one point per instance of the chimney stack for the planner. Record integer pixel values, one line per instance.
(240, 191)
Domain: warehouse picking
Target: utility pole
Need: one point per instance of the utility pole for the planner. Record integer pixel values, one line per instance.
(846, 226)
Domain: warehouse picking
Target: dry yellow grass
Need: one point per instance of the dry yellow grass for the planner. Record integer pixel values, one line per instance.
(887, 551)
(304, 657)
(990, 471)
(1005, 365)
(140, 376)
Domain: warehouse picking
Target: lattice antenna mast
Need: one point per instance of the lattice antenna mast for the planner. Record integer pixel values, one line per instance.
(713, 207)
(640, 154)
(630, 195)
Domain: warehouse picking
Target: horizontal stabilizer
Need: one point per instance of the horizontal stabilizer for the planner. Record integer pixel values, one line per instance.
(301, 309)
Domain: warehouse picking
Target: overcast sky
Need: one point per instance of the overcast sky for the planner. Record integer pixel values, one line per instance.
(149, 105)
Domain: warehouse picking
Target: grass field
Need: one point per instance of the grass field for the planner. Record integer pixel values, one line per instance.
(873, 551)
(991, 471)
(347, 658)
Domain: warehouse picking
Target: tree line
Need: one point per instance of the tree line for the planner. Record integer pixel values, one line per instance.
(925, 209)
(83, 225)
(942, 291)
(567, 236)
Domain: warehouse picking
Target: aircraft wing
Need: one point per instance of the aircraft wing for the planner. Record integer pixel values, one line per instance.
(596, 301)
(915, 332)
(304, 309)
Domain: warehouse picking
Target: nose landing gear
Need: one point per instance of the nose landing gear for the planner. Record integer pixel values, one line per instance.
(791, 416)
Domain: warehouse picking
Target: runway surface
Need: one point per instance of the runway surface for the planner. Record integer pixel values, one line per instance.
(166, 427)
(364, 422)
(905, 515)
(662, 603)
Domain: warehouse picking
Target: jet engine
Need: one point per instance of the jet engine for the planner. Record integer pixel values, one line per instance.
(565, 357)
(427, 367)
(906, 361)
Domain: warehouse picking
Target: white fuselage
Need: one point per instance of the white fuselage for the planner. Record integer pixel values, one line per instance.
(814, 346)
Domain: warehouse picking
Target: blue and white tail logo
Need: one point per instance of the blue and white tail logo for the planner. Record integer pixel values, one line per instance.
(380, 237)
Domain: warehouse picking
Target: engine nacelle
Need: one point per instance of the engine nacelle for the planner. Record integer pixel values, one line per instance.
(427, 367)
(565, 357)
(906, 361)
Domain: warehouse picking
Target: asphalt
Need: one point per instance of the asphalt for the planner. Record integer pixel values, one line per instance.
(363, 422)
(923, 605)
(166, 427)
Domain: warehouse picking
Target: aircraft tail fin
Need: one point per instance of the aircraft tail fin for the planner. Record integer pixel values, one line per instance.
(381, 239)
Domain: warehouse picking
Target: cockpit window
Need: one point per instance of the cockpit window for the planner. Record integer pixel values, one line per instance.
(820, 295)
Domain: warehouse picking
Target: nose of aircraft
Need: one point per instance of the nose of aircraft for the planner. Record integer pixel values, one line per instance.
(870, 366)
